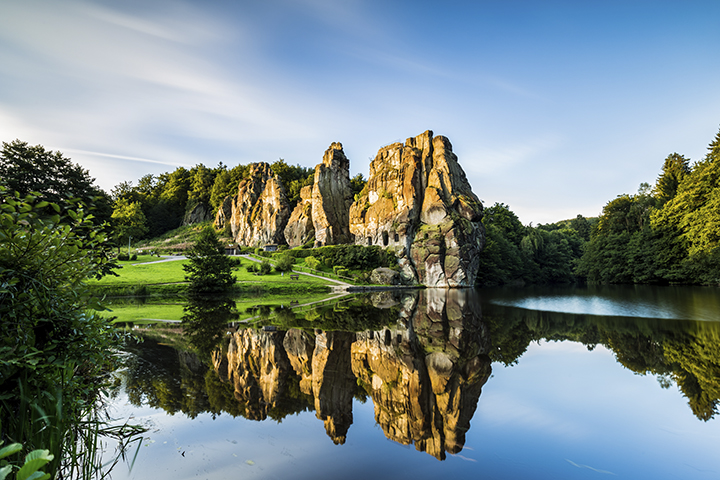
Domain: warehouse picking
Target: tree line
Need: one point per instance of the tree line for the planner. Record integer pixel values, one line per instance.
(667, 233)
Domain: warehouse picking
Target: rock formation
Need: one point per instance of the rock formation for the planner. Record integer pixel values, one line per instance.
(260, 210)
(201, 212)
(300, 228)
(332, 197)
(419, 201)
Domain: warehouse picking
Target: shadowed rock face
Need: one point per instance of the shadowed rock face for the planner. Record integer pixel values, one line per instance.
(424, 375)
(198, 214)
(419, 201)
(260, 211)
(300, 228)
(331, 198)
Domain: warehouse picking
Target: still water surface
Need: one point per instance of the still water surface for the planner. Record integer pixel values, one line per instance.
(582, 382)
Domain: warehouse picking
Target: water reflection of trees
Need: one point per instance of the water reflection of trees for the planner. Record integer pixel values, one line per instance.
(686, 352)
(422, 358)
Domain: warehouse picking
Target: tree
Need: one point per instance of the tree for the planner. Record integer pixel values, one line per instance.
(673, 172)
(128, 221)
(25, 169)
(209, 270)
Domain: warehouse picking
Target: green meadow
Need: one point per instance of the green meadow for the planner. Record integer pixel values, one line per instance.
(147, 270)
(140, 275)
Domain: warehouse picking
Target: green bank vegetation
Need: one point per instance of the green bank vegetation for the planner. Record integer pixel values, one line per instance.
(55, 352)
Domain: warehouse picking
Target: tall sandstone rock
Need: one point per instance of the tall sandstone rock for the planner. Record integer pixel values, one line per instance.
(260, 211)
(419, 201)
(332, 198)
(323, 212)
(300, 228)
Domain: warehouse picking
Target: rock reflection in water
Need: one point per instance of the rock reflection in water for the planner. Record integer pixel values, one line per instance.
(424, 374)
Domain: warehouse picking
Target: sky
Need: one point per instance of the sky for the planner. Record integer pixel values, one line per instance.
(553, 107)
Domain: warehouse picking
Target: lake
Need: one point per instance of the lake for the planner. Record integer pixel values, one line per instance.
(507, 383)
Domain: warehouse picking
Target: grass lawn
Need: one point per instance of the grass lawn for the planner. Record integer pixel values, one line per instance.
(169, 309)
(147, 272)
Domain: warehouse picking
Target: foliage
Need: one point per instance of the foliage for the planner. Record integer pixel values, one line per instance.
(284, 263)
(30, 469)
(293, 178)
(265, 268)
(514, 253)
(355, 257)
(312, 262)
(357, 184)
(53, 350)
(673, 172)
(128, 221)
(53, 177)
(669, 236)
(209, 270)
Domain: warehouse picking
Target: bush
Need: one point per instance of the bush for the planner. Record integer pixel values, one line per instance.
(285, 263)
(133, 257)
(123, 257)
(252, 268)
(312, 262)
(265, 268)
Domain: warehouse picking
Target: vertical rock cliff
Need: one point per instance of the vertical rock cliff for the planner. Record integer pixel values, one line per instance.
(332, 197)
(419, 201)
(259, 212)
(300, 228)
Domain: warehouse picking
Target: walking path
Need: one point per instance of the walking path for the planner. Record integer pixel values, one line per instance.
(339, 282)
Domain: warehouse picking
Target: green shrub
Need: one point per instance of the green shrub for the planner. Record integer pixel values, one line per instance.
(312, 262)
(133, 257)
(123, 257)
(284, 263)
(265, 268)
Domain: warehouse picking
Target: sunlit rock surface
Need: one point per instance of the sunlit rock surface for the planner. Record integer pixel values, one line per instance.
(260, 210)
(332, 197)
(419, 201)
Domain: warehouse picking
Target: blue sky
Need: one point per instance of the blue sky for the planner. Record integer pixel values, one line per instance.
(552, 107)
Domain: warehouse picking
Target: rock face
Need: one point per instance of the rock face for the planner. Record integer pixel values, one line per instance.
(224, 213)
(419, 201)
(198, 214)
(385, 276)
(300, 228)
(332, 198)
(260, 210)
